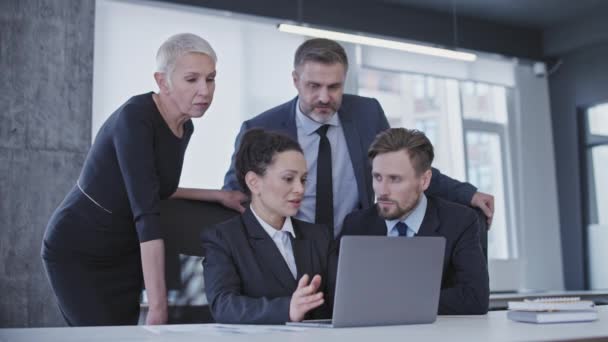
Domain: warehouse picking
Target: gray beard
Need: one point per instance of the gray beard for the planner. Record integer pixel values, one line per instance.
(326, 118)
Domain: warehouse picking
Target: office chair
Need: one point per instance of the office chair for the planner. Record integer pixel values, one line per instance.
(182, 222)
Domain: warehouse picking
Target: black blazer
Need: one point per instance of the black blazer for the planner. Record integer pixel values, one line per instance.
(246, 277)
(465, 283)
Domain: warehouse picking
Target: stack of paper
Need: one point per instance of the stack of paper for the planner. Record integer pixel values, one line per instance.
(552, 310)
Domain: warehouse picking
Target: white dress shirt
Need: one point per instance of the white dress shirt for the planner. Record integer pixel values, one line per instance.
(282, 240)
(413, 220)
(344, 183)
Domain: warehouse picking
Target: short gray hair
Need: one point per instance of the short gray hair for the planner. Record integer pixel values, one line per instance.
(178, 45)
(320, 50)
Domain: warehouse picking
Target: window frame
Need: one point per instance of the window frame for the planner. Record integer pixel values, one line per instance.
(588, 141)
(469, 125)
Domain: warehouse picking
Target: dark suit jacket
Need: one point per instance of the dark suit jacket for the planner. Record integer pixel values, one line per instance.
(247, 279)
(362, 119)
(465, 283)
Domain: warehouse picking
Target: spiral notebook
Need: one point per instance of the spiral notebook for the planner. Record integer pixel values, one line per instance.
(552, 304)
(552, 310)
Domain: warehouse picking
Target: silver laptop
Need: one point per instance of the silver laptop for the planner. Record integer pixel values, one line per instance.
(386, 281)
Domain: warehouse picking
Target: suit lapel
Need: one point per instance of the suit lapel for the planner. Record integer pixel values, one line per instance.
(377, 224)
(372, 223)
(302, 252)
(430, 223)
(351, 135)
(289, 121)
(267, 252)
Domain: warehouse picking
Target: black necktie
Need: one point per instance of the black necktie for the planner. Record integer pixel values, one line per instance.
(401, 228)
(324, 209)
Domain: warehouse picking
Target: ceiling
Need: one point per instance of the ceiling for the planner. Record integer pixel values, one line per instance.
(537, 14)
(529, 29)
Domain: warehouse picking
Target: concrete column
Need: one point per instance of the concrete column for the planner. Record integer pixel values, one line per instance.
(46, 78)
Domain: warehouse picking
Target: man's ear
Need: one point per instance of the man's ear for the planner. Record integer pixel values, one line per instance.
(253, 182)
(162, 82)
(426, 179)
(294, 76)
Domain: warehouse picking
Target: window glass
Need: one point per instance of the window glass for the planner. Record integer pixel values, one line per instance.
(484, 102)
(599, 165)
(430, 104)
(598, 119)
(485, 170)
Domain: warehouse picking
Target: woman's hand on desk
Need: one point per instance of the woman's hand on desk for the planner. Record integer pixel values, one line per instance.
(156, 316)
(153, 267)
(305, 298)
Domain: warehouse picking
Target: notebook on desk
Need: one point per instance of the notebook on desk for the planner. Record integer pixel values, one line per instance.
(552, 310)
(386, 281)
(552, 316)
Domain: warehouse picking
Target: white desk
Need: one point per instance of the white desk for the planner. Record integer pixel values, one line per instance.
(493, 327)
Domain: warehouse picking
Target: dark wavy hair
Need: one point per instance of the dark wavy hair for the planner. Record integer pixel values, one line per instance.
(257, 151)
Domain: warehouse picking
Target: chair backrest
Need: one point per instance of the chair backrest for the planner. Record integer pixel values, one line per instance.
(182, 222)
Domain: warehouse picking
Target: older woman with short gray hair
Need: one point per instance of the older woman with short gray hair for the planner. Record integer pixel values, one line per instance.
(104, 241)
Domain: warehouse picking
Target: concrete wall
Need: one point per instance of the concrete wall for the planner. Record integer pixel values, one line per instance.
(46, 63)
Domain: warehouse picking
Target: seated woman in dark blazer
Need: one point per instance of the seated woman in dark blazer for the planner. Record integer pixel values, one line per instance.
(264, 266)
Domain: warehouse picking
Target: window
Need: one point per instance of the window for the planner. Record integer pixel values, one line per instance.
(466, 122)
(599, 169)
(598, 120)
(596, 163)
(485, 119)
(594, 170)
(484, 102)
(485, 170)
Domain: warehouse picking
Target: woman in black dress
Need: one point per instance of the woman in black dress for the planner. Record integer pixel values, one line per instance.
(104, 241)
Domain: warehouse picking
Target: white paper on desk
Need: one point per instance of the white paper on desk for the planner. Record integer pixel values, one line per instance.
(219, 329)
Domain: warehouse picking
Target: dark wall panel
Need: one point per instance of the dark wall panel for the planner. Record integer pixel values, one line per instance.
(581, 80)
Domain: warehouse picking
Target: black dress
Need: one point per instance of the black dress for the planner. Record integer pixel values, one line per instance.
(91, 245)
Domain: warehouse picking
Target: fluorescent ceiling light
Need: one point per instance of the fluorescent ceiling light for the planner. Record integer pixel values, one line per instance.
(385, 43)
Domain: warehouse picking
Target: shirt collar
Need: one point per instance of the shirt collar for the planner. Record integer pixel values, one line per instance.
(271, 231)
(310, 126)
(413, 220)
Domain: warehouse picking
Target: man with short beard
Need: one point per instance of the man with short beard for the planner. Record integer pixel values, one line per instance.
(335, 130)
(401, 171)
